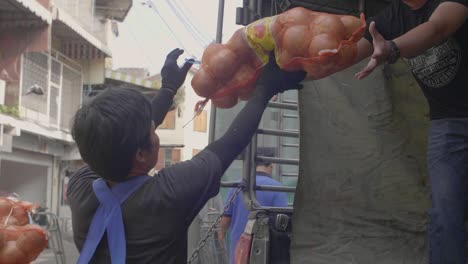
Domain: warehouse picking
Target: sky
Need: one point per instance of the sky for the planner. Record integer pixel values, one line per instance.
(147, 35)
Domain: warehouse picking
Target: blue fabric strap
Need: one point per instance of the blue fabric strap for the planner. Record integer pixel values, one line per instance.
(108, 217)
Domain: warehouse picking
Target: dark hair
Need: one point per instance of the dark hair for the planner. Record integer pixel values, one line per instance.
(110, 128)
(265, 152)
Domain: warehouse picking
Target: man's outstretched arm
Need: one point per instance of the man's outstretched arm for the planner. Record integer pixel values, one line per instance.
(195, 181)
(445, 21)
(172, 79)
(239, 134)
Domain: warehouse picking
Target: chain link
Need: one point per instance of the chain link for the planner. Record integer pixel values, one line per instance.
(202, 242)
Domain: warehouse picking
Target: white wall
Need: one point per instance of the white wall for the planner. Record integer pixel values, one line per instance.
(83, 11)
(27, 173)
(27, 180)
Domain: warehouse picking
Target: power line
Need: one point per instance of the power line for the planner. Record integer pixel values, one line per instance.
(188, 52)
(187, 25)
(180, 7)
(150, 4)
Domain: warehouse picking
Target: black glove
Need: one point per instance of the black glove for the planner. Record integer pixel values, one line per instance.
(172, 76)
(274, 80)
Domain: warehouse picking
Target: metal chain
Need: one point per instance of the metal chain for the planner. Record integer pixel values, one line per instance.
(202, 242)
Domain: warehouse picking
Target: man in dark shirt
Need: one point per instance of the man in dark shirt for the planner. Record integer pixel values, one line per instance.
(115, 133)
(432, 35)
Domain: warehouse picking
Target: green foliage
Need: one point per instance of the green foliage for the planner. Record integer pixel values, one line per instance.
(9, 110)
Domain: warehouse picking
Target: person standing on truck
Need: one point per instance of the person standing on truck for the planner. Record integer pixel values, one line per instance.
(237, 215)
(122, 215)
(432, 36)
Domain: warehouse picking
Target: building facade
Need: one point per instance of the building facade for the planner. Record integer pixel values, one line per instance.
(51, 52)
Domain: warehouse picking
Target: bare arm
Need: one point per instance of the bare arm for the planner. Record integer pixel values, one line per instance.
(224, 226)
(444, 22)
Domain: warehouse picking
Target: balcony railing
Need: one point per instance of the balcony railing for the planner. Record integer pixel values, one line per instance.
(59, 80)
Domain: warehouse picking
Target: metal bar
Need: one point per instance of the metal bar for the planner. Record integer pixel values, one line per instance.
(282, 105)
(230, 184)
(289, 174)
(290, 116)
(260, 8)
(323, 8)
(110, 8)
(290, 102)
(219, 39)
(252, 10)
(269, 188)
(273, 188)
(212, 125)
(290, 145)
(252, 175)
(281, 133)
(362, 6)
(278, 160)
(172, 146)
(279, 126)
(274, 209)
(219, 29)
(246, 177)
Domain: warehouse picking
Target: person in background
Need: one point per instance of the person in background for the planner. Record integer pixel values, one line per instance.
(236, 217)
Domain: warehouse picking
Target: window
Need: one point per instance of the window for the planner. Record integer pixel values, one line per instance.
(167, 157)
(200, 123)
(169, 121)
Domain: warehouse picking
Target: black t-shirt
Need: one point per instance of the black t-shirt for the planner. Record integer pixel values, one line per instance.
(157, 215)
(442, 71)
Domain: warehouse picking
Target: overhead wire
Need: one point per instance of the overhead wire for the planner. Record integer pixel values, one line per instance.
(189, 52)
(179, 6)
(182, 8)
(197, 38)
(151, 5)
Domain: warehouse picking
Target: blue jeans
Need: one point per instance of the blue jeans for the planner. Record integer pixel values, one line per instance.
(448, 172)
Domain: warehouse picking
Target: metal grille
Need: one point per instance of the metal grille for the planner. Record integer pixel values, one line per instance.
(56, 72)
(35, 72)
(54, 105)
(71, 96)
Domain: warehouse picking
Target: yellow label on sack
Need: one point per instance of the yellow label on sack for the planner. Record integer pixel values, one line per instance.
(260, 38)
